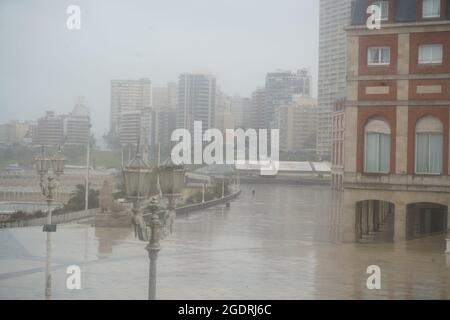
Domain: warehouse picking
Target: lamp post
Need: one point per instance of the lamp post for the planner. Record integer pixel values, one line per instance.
(88, 149)
(139, 182)
(49, 183)
(171, 181)
(203, 193)
(223, 187)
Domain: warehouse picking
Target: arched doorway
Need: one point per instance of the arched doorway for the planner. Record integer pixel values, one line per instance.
(374, 221)
(424, 219)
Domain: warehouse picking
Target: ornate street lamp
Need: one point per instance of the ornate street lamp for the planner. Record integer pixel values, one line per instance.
(58, 163)
(140, 183)
(42, 163)
(48, 189)
(171, 181)
(137, 175)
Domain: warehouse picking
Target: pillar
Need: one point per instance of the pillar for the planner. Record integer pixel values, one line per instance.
(349, 229)
(400, 222)
(370, 216)
(364, 216)
(376, 216)
(448, 221)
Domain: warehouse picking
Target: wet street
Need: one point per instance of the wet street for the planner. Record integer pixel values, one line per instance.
(282, 243)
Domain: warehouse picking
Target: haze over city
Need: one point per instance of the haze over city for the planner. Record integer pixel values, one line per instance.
(238, 41)
(223, 150)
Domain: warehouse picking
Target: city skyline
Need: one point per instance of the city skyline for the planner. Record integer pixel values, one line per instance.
(82, 62)
(248, 150)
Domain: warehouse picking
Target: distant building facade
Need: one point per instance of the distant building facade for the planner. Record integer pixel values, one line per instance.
(49, 130)
(298, 124)
(334, 17)
(164, 117)
(55, 130)
(13, 132)
(196, 101)
(77, 125)
(128, 95)
(136, 127)
(280, 87)
(258, 109)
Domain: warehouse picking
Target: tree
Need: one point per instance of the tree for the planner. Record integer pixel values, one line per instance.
(77, 202)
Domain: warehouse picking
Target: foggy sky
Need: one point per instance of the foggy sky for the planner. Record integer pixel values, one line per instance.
(45, 66)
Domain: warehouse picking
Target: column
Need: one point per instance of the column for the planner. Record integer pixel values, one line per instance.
(370, 215)
(364, 218)
(400, 222)
(448, 221)
(349, 229)
(358, 230)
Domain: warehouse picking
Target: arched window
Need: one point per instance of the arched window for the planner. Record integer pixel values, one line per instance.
(377, 147)
(429, 145)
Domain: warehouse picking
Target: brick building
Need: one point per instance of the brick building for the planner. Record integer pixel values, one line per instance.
(396, 171)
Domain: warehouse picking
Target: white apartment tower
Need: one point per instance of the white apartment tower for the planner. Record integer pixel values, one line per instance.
(196, 100)
(135, 127)
(50, 130)
(334, 17)
(77, 125)
(128, 96)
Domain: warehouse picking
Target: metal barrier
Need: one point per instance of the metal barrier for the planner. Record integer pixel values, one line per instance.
(57, 219)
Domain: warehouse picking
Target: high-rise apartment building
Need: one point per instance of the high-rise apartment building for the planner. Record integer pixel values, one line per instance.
(136, 127)
(77, 125)
(280, 87)
(334, 17)
(196, 100)
(128, 95)
(49, 130)
(54, 130)
(164, 111)
(397, 116)
(297, 123)
(258, 109)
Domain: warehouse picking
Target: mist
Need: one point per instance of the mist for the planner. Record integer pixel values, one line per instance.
(46, 66)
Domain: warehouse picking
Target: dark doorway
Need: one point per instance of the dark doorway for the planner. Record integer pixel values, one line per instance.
(425, 219)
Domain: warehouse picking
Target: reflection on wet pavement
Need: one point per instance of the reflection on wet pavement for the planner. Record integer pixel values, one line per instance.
(282, 243)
